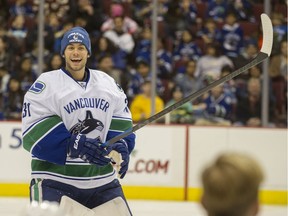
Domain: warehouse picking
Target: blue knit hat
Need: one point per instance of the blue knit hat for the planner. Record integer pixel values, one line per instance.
(76, 35)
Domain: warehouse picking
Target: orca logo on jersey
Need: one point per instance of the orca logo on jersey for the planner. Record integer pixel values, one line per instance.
(87, 125)
(37, 87)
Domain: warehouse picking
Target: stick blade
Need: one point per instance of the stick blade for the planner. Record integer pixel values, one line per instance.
(267, 34)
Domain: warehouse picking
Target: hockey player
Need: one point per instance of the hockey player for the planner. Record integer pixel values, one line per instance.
(67, 115)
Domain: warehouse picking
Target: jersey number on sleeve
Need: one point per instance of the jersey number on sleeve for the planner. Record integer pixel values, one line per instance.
(26, 110)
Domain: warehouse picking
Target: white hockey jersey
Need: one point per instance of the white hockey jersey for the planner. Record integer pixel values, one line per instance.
(57, 106)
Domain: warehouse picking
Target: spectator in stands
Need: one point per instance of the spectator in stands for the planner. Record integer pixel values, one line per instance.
(4, 13)
(209, 33)
(103, 47)
(3, 29)
(32, 38)
(123, 1)
(231, 185)
(21, 7)
(210, 64)
(33, 55)
(53, 25)
(13, 100)
(4, 79)
(54, 21)
(2, 114)
(255, 72)
(186, 48)
(59, 7)
(18, 31)
(142, 12)
(231, 36)
(279, 30)
(138, 76)
(216, 10)
(183, 114)
(249, 106)
(129, 25)
(105, 63)
(188, 10)
(229, 87)
(278, 74)
(59, 34)
(141, 104)
(181, 15)
(5, 54)
(82, 22)
(143, 44)
(164, 57)
(187, 81)
(216, 108)
(249, 52)
(164, 60)
(243, 10)
(91, 11)
(188, 15)
(162, 9)
(26, 74)
(2, 84)
(55, 62)
(121, 39)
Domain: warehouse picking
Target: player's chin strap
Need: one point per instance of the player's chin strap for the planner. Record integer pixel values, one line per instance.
(115, 207)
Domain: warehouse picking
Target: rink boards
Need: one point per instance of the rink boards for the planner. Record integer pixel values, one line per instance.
(167, 161)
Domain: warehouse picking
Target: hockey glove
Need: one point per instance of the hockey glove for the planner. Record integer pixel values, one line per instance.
(121, 148)
(89, 150)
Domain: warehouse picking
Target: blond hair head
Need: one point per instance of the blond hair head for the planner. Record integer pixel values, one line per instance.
(231, 184)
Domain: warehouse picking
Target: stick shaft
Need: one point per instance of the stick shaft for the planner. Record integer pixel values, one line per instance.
(259, 58)
(263, 54)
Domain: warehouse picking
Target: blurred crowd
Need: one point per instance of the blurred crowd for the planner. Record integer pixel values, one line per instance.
(199, 41)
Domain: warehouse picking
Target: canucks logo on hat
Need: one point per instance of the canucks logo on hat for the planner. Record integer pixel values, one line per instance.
(76, 35)
(76, 38)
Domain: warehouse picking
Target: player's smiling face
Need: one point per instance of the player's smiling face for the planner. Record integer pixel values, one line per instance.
(76, 56)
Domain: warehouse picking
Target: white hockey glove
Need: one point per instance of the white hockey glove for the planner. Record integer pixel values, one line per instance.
(89, 150)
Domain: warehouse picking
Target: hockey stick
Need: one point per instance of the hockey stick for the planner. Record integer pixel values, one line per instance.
(262, 55)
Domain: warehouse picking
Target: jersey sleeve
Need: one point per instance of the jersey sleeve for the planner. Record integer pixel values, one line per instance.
(122, 120)
(44, 134)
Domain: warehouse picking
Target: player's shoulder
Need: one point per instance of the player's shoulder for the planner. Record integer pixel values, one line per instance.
(53, 77)
(100, 75)
(50, 75)
(102, 78)
(45, 81)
